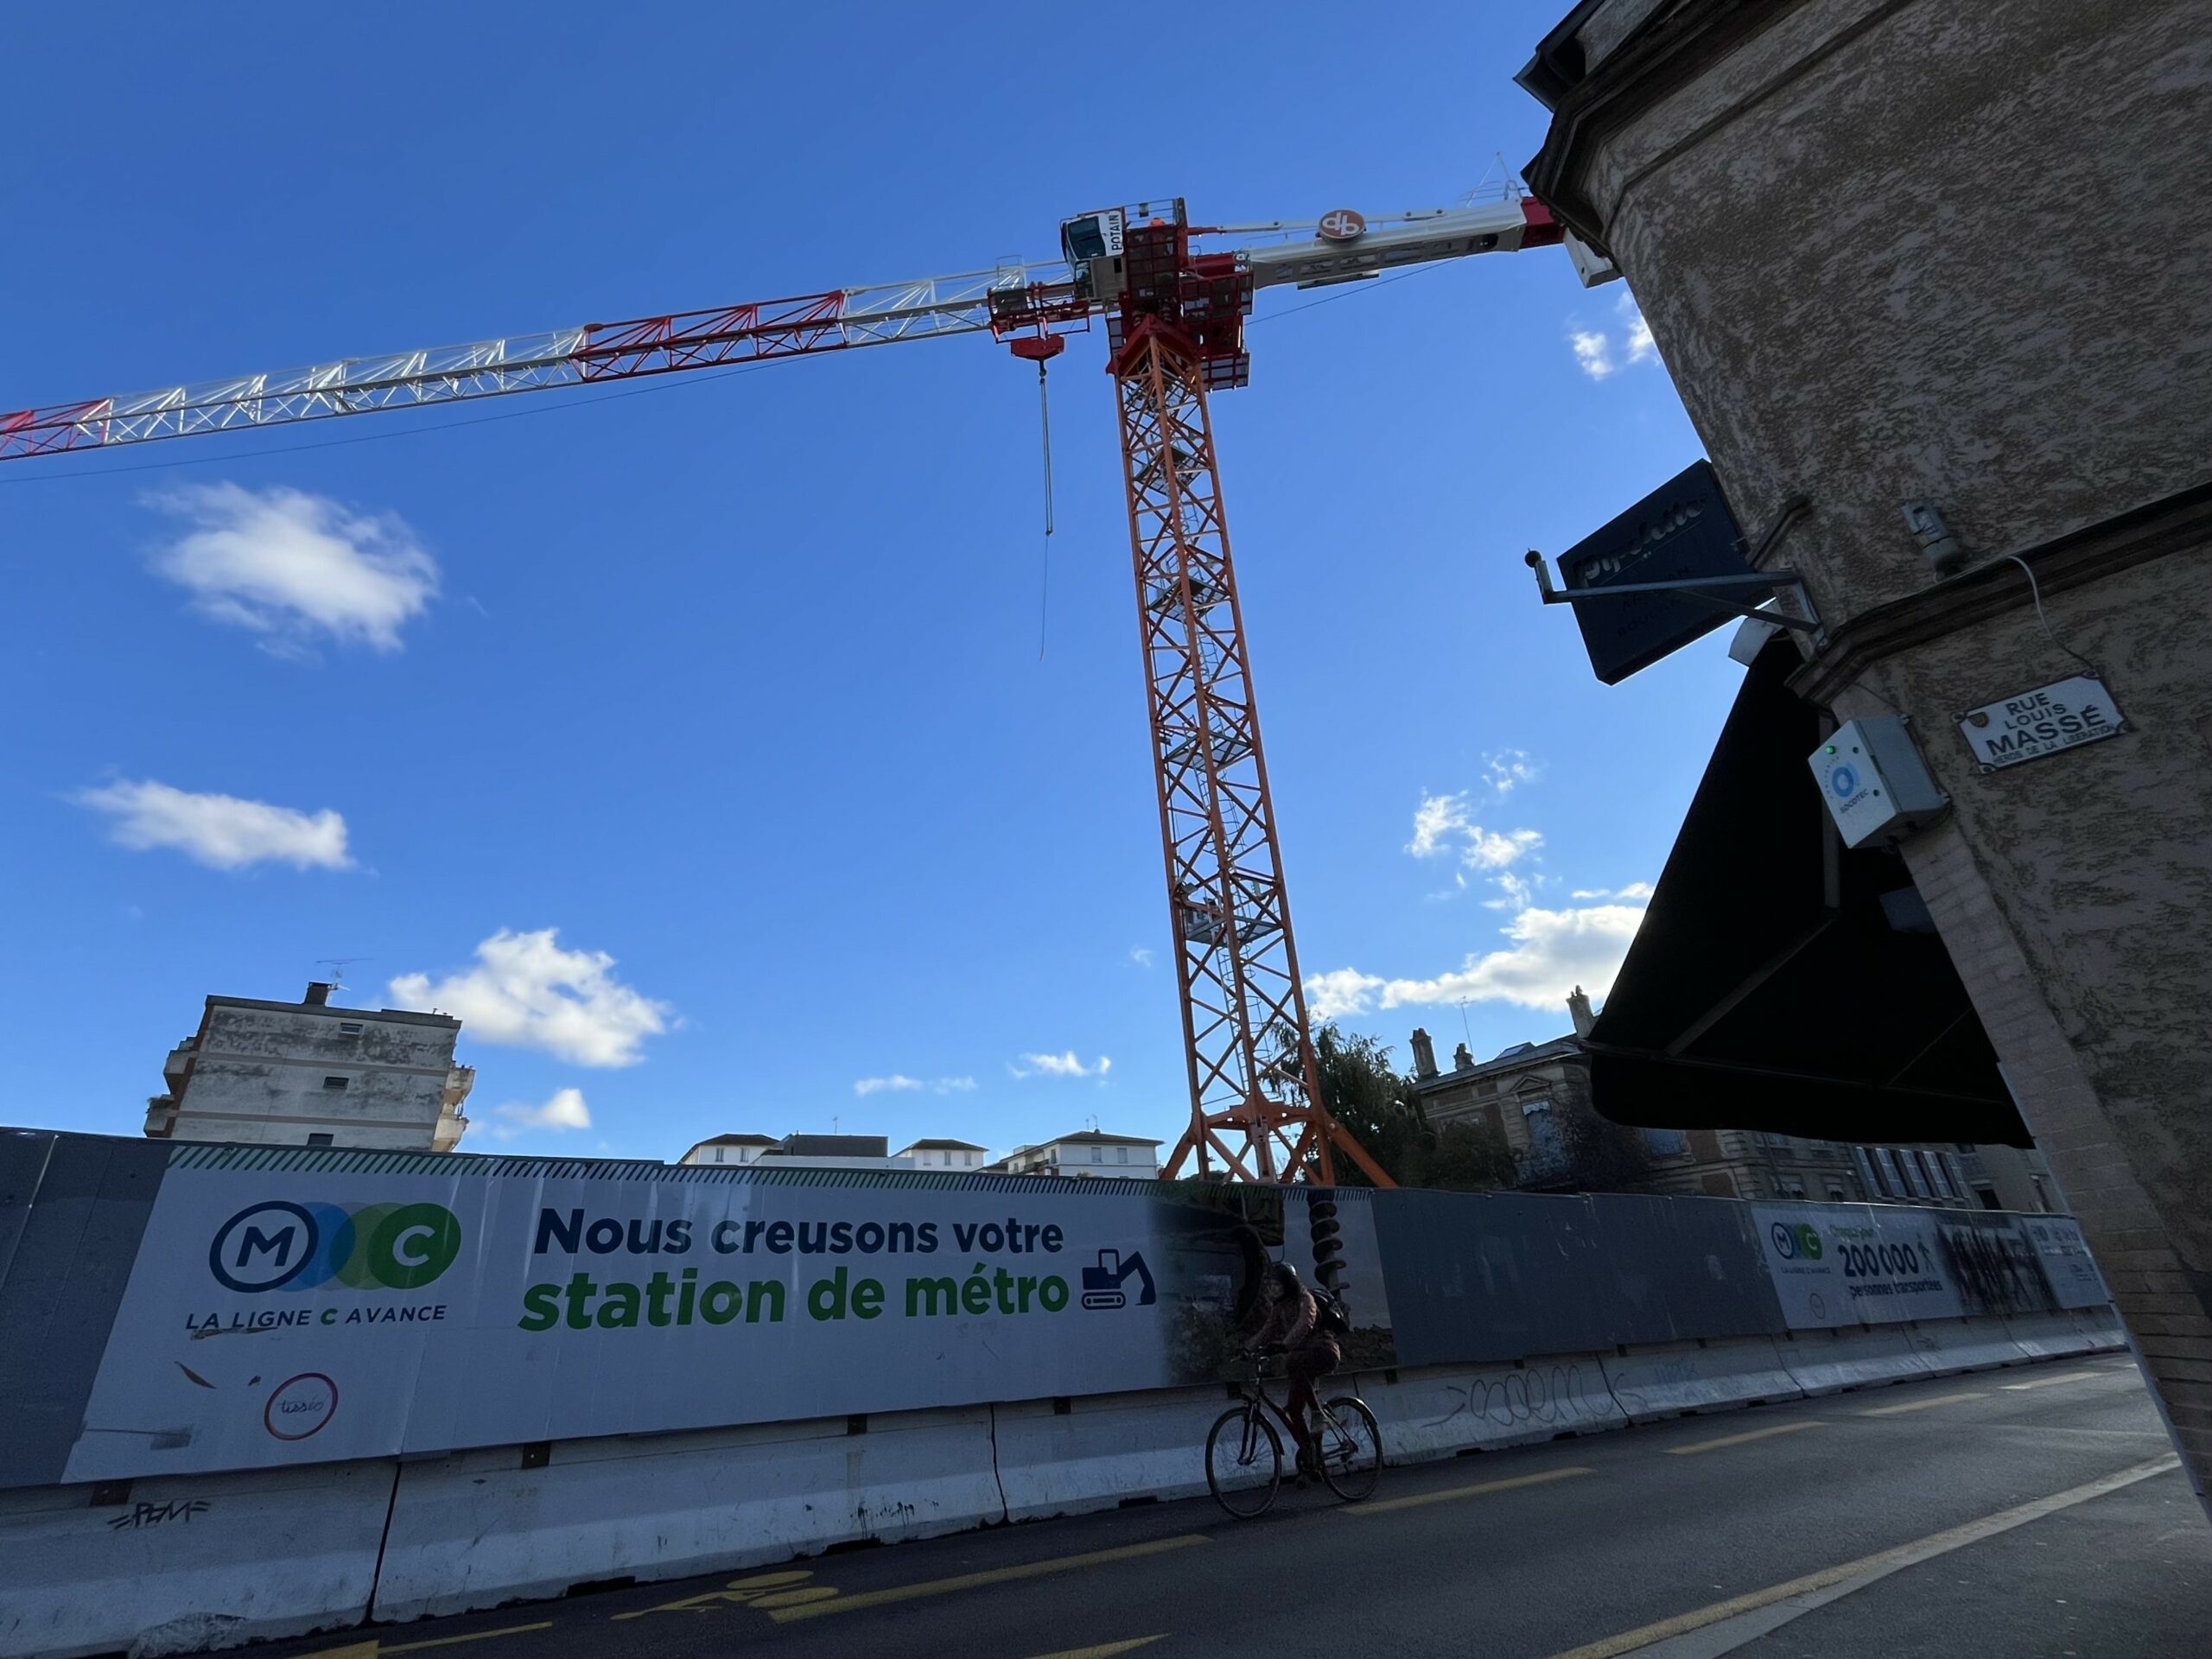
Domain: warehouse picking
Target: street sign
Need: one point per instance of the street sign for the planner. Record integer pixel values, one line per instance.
(1681, 531)
(2063, 714)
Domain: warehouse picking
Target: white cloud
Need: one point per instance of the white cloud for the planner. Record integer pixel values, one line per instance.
(1595, 349)
(290, 566)
(1637, 890)
(1064, 1064)
(1443, 822)
(1340, 991)
(1141, 955)
(1436, 821)
(899, 1082)
(1551, 951)
(565, 1110)
(1508, 769)
(527, 992)
(1592, 352)
(1642, 348)
(219, 830)
(1514, 893)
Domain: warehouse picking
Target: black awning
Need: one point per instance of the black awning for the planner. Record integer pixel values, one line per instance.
(1782, 983)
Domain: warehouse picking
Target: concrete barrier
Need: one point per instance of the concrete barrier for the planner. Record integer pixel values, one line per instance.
(2053, 1336)
(188, 1563)
(1068, 1457)
(1950, 1346)
(1686, 1376)
(1442, 1410)
(477, 1528)
(1856, 1357)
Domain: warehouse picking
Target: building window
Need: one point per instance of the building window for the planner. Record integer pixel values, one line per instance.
(1893, 1181)
(1869, 1176)
(318, 1140)
(334, 1083)
(1120, 1154)
(1544, 1133)
(1666, 1143)
(1916, 1174)
(1836, 1194)
(1947, 1176)
(1098, 1154)
(351, 1028)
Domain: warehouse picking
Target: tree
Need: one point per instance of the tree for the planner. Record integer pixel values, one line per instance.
(1602, 1156)
(1468, 1158)
(1381, 1110)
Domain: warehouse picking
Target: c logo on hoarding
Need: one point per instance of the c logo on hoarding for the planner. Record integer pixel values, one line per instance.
(279, 1245)
(1808, 1241)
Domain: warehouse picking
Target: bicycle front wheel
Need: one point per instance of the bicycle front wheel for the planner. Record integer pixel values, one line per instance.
(1352, 1448)
(1243, 1462)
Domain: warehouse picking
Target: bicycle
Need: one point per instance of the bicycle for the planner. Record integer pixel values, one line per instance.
(1244, 1453)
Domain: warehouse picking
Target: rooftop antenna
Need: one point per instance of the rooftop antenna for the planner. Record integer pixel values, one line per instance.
(1464, 1027)
(338, 965)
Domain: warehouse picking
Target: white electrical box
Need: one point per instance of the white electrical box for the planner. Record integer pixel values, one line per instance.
(1875, 783)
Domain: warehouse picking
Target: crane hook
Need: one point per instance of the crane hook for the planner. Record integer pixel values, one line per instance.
(1041, 348)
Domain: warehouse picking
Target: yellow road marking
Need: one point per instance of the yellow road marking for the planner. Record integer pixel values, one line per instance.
(1926, 1405)
(1865, 1567)
(2052, 1381)
(1450, 1493)
(995, 1575)
(1105, 1649)
(1744, 1439)
(473, 1635)
(758, 1589)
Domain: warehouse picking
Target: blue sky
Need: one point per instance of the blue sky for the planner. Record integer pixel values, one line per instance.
(696, 745)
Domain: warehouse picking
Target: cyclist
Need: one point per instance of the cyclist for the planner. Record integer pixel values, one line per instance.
(1292, 1319)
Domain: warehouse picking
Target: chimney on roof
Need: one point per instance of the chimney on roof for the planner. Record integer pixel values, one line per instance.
(1463, 1059)
(1579, 1006)
(318, 993)
(1424, 1054)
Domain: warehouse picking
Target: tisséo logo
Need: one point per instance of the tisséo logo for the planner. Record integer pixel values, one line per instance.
(279, 1245)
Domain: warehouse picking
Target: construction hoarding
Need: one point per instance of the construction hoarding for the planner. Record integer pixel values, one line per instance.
(185, 1309)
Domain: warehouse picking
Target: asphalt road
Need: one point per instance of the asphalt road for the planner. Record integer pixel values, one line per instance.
(2023, 1512)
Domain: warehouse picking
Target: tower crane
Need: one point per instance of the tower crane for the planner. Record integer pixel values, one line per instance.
(1173, 319)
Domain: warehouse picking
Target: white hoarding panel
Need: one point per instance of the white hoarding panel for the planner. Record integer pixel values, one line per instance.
(284, 1315)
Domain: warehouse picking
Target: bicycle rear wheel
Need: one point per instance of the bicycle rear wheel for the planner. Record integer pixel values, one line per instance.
(1352, 1448)
(1243, 1462)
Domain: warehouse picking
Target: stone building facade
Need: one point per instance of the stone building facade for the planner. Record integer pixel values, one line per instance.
(308, 1074)
(1902, 251)
(1530, 1093)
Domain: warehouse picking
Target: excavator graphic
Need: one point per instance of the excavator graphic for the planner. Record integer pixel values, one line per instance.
(1102, 1284)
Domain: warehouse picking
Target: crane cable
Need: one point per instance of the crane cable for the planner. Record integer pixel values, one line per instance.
(1045, 585)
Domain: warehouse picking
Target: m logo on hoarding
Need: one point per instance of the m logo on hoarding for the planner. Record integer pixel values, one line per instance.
(1790, 1242)
(279, 1245)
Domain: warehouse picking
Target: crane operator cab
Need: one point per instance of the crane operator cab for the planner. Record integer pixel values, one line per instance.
(1092, 243)
(1096, 244)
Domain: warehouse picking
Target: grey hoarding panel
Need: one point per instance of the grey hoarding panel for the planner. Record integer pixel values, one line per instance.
(78, 1207)
(1678, 1268)
(1488, 1277)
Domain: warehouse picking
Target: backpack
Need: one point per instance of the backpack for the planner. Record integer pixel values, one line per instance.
(1330, 1315)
